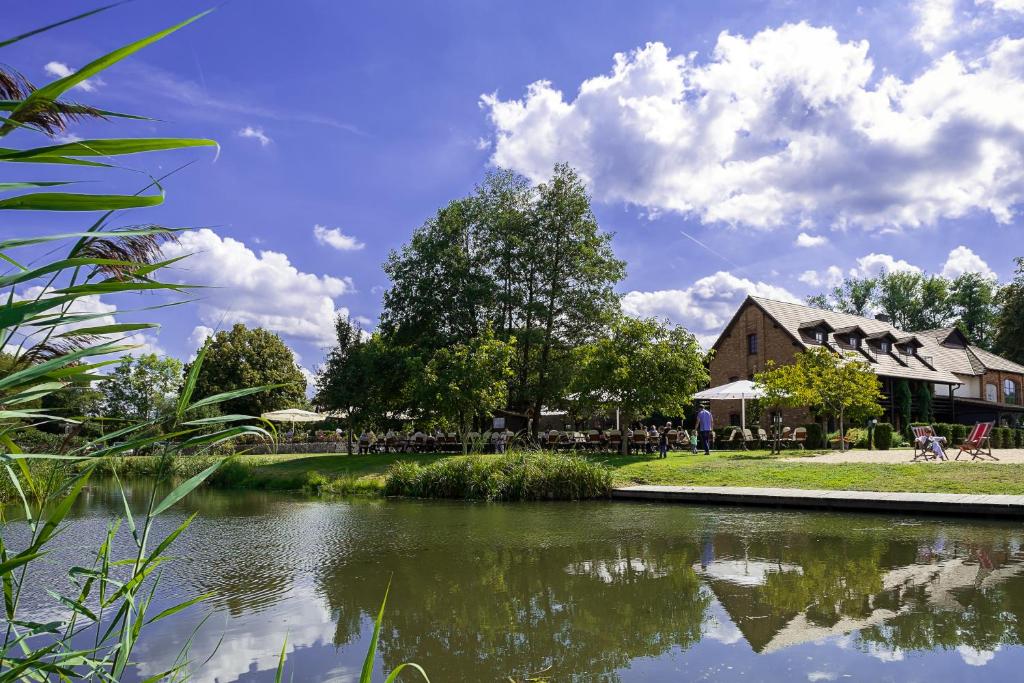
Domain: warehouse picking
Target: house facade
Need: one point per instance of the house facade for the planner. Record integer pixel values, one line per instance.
(967, 384)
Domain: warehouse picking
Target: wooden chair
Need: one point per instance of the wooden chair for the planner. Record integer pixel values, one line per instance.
(922, 436)
(800, 437)
(748, 438)
(638, 440)
(552, 439)
(615, 440)
(979, 442)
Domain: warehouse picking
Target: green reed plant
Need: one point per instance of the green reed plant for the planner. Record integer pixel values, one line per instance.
(57, 348)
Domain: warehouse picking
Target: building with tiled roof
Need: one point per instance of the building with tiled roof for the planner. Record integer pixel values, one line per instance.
(968, 384)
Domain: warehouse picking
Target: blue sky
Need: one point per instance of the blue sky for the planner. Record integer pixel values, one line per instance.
(733, 147)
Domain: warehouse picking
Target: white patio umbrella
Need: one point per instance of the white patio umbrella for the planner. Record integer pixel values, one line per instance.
(293, 415)
(742, 390)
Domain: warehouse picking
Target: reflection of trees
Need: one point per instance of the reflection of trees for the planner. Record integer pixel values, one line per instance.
(499, 612)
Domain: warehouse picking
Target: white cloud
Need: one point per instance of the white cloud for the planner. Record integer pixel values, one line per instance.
(936, 23)
(334, 237)
(808, 241)
(873, 265)
(963, 260)
(705, 306)
(256, 134)
(62, 70)
(1003, 5)
(815, 676)
(263, 290)
(200, 333)
(94, 305)
(831, 277)
(975, 657)
(787, 126)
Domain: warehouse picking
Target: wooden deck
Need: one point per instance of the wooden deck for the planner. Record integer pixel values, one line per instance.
(954, 504)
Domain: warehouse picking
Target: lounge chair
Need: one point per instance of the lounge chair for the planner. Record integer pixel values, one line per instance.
(922, 436)
(979, 442)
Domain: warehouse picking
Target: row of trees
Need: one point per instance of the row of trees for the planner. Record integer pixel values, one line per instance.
(148, 386)
(505, 299)
(991, 316)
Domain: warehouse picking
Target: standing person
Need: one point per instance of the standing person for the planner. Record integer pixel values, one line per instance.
(663, 441)
(705, 422)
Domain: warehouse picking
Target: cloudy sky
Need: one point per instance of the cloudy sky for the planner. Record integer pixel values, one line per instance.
(733, 147)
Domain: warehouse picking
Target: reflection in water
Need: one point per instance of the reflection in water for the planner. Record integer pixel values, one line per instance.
(580, 591)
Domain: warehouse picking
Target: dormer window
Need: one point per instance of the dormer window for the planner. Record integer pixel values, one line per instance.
(854, 341)
(819, 336)
(884, 347)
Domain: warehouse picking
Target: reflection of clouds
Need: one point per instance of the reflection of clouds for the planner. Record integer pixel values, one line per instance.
(976, 657)
(820, 676)
(719, 626)
(609, 571)
(744, 572)
(885, 655)
(251, 643)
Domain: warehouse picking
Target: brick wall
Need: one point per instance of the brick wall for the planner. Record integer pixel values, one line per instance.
(996, 377)
(732, 361)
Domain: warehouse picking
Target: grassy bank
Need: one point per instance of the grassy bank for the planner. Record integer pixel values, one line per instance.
(334, 473)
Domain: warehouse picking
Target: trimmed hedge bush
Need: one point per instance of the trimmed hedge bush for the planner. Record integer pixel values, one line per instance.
(815, 436)
(883, 436)
(515, 476)
(996, 437)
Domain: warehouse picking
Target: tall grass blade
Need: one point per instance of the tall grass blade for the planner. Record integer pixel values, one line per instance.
(54, 25)
(280, 661)
(185, 488)
(104, 148)
(367, 674)
(52, 91)
(66, 201)
(190, 382)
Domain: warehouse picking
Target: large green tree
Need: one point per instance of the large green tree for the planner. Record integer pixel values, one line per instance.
(142, 388)
(465, 380)
(1009, 335)
(241, 358)
(640, 367)
(530, 261)
(854, 295)
(974, 302)
(833, 384)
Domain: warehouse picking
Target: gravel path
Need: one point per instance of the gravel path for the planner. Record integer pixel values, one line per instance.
(1006, 456)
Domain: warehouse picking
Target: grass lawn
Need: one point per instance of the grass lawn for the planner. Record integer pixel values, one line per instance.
(729, 468)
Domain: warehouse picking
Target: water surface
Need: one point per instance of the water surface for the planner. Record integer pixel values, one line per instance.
(575, 592)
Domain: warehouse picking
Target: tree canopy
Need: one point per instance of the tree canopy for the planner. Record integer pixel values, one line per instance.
(530, 261)
(916, 301)
(1009, 337)
(832, 384)
(142, 388)
(640, 367)
(242, 357)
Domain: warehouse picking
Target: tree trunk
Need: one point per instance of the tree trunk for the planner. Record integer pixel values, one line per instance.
(842, 436)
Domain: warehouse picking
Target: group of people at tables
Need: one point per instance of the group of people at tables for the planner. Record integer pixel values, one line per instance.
(430, 442)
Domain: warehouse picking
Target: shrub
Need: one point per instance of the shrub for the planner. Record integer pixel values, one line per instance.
(960, 433)
(1006, 437)
(815, 436)
(1020, 438)
(996, 437)
(944, 430)
(514, 476)
(858, 437)
(883, 436)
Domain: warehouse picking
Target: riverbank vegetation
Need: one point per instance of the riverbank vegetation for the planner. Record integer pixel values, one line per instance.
(367, 474)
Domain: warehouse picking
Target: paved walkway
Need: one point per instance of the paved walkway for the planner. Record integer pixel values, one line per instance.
(1006, 456)
(929, 503)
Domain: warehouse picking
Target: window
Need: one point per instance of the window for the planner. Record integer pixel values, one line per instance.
(854, 341)
(884, 347)
(1010, 392)
(991, 392)
(751, 344)
(819, 336)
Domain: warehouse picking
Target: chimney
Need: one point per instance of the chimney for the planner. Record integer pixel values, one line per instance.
(883, 318)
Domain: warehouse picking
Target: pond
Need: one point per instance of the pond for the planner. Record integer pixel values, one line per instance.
(574, 592)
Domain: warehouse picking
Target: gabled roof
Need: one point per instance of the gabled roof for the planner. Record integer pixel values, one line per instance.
(850, 329)
(883, 334)
(791, 317)
(993, 362)
(816, 323)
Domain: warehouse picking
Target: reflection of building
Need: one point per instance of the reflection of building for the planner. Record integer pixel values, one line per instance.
(743, 588)
(968, 383)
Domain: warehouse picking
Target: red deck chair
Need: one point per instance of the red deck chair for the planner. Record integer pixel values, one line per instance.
(922, 447)
(979, 442)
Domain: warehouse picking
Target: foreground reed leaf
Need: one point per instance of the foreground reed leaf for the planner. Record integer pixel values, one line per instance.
(190, 382)
(280, 661)
(186, 487)
(54, 25)
(66, 201)
(8, 187)
(105, 148)
(52, 91)
(93, 234)
(367, 673)
(228, 395)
